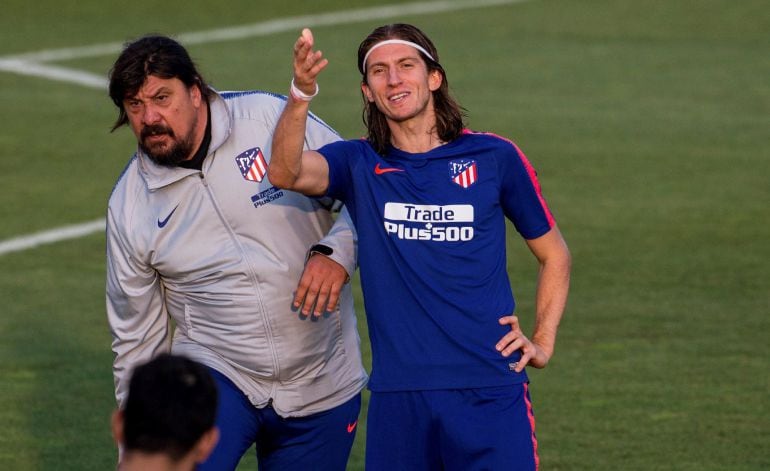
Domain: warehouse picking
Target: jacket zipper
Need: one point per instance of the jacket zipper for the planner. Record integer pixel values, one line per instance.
(254, 279)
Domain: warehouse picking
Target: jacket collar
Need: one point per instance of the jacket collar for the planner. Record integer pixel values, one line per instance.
(158, 176)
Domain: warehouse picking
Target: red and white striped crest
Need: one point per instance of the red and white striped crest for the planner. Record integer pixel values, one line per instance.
(252, 164)
(463, 172)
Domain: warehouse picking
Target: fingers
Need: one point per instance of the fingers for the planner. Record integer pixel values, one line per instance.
(515, 340)
(301, 296)
(526, 356)
(509, 344)
(334, 296)
(311, 293)
(510, 341)
(307, 35)
(307, 62)
(319, 288)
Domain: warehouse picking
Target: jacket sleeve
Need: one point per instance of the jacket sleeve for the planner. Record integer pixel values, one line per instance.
(318, 133)
(136, 312)
(343, 240)
(342, 236)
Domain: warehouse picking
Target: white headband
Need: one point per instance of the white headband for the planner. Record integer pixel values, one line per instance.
(395, 41)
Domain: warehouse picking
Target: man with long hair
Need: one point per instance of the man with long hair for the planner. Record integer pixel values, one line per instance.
(429, 199)
(198, 239)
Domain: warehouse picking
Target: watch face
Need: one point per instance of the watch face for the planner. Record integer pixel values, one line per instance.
(322, 249)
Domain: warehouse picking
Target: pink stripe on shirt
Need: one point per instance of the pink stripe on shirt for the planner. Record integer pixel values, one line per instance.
(530, 170)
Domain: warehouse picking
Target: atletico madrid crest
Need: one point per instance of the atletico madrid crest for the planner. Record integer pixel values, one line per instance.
(252, 164)
(463, 172)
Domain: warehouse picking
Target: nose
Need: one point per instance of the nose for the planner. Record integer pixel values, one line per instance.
(150, 115)
(394, 78)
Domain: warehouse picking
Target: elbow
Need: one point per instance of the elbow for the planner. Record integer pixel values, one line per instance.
(280, 178)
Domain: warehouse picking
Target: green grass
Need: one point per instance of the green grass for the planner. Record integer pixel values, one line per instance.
(646, 120)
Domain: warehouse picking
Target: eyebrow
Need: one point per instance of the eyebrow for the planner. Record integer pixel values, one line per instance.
(398, 61)
(161, 90)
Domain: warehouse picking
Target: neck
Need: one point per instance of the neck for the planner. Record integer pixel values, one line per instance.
(195, 161)
(415, 137)
(200, 127)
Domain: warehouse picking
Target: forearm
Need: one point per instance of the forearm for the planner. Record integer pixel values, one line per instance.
(550, 301)
(288, 143)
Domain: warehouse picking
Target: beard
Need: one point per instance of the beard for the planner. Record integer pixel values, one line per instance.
(169, 155)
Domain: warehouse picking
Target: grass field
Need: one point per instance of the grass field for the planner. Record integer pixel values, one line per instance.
(648, 122)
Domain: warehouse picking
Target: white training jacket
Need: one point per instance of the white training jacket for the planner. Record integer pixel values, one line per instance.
(214, 256)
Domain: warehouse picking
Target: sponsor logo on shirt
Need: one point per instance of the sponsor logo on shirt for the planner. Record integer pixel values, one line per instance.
(252, 164)
(264, 197)
(448, 223)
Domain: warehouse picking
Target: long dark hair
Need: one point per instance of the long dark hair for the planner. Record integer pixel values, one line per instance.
(160, 56)
(449, 114)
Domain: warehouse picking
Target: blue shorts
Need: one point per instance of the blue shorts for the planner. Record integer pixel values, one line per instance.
(320, 441)
(459, 429)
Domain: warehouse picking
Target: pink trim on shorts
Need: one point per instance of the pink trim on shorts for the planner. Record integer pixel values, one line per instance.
(531, 415)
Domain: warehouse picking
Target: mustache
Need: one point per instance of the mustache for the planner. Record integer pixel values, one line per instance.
(155, 130)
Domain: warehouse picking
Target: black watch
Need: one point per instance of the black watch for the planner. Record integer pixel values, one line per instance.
(322, 249)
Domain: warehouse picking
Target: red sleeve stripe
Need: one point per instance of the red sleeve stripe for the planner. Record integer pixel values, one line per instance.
(530, 170)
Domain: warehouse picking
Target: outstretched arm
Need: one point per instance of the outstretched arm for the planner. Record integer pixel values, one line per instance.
(290, 167)
(553, 285)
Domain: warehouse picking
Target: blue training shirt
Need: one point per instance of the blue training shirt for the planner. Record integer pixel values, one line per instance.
(431, 230)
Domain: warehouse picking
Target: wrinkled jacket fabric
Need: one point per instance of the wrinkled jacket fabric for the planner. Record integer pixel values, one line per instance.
(205, 264)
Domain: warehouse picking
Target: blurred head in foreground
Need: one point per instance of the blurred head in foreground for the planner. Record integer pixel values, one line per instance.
(167, 422)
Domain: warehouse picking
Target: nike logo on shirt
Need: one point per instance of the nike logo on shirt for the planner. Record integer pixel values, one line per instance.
(352, 426)
(379, 170)
(162, 224)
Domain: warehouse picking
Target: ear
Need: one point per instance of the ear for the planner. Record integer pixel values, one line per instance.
(196, 95)
(435, 79)
(206, 444)
(367, 92)
(116, 424)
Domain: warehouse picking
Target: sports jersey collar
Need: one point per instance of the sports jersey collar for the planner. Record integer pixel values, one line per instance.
(439, 152)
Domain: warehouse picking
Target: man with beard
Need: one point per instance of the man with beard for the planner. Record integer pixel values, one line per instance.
(199, 239)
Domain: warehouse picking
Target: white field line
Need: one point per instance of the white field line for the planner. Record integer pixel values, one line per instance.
(32, 64)
(54, 235)
(266, 28)
(53, 72)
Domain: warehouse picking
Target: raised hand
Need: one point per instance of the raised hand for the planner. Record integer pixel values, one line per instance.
(308, 63)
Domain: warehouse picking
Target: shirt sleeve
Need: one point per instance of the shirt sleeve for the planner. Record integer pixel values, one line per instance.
(521, 196)
(343, 240)
(341, 156)
(136, 312)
